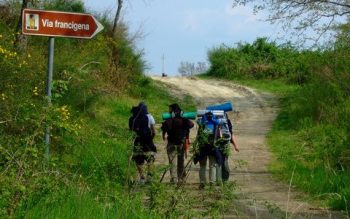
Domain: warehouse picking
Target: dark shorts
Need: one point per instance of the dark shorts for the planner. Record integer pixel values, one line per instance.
(209, 150)
(140, 159)
(144, 144)
(144, 150)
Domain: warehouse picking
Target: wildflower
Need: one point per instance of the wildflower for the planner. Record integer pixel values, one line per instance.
(35, 91)
(3, 96)
(64, 113)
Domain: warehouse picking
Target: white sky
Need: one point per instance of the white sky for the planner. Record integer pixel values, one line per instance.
(184, 30)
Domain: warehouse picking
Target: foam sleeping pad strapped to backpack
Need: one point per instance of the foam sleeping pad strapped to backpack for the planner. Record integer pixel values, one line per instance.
(217, 113)
(226, 107)
(186, 115)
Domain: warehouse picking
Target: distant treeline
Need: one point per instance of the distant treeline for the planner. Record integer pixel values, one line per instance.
(263, 59)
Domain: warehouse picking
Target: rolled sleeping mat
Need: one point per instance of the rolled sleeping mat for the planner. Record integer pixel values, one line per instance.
(226, 107)
(216, 113)
(186, 115)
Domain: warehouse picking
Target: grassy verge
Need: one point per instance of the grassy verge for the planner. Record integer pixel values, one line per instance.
(99, 161)
(304, 151)
(308, 141)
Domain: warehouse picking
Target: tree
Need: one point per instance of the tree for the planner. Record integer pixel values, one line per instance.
(201, 67)
(303, 16)
(117, 16)
(21, 40)
(190, 68)
(186, 68)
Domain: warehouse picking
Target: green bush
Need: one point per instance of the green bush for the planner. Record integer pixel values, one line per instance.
(318, 114)
(311, 136)
(265, 60)
(88, 148)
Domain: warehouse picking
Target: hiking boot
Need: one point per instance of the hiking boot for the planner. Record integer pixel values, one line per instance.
(173, 180)
(180, 182)
(219, 183)
(149, 179)
(201, 186)
(142, 181)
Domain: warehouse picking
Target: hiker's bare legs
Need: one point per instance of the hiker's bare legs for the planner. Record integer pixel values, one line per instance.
(150, 167)
(140, 170)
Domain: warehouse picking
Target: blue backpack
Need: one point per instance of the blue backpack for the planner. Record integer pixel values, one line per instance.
(209, 127)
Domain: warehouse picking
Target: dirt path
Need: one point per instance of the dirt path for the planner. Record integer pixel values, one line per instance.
(260, 195)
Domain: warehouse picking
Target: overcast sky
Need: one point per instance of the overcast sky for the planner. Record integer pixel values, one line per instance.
(184, 30)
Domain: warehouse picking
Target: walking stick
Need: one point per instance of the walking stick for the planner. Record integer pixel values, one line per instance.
(166, 170)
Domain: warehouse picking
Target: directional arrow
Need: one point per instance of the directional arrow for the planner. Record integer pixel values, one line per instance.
(59, 24)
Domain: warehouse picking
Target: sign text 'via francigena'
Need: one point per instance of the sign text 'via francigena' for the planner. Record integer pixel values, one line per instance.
(59, 24)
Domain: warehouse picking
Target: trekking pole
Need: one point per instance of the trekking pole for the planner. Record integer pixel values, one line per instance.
(129, 160)
(161, 179)
(166, 170)
(187, 170)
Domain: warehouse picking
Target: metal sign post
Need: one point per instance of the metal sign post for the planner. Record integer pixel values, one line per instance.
(48, 89)
(57, 24)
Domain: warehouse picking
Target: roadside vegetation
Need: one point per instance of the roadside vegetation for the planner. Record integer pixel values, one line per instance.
(96, 82)
(311, 136)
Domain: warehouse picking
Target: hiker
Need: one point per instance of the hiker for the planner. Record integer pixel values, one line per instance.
(142, 123)
(223, 144)
(177, 130)
(207, 134)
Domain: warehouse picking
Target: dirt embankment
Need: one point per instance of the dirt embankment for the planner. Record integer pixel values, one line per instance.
(260, 195)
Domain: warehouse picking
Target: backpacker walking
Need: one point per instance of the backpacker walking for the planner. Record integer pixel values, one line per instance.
(177, 130)
(142, 123)
(223, 143)
(206, 137)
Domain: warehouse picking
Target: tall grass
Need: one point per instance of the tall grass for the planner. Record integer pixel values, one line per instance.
(310, 138)
(88, 170)
(97, 158)
(312, 134)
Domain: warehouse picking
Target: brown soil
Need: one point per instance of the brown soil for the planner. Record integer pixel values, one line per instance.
(260, 194)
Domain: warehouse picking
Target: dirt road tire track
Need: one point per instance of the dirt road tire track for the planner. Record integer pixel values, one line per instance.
(260, 195)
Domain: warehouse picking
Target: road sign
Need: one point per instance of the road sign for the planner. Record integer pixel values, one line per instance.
(59, 24)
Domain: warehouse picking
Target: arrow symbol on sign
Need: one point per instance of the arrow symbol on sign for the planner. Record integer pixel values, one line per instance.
(99, 27)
